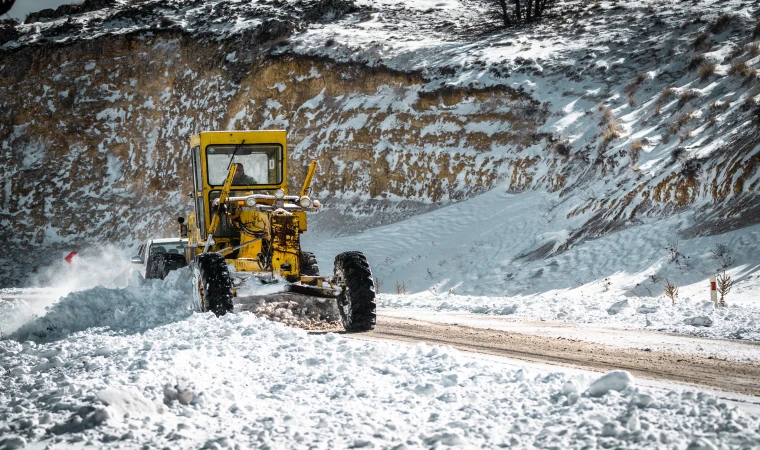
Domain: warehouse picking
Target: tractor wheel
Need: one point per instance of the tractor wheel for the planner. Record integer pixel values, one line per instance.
(151, 268)
(309, 266)
(357, 302)
(212, 285)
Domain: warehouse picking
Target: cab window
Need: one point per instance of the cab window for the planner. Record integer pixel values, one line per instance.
(257, 164)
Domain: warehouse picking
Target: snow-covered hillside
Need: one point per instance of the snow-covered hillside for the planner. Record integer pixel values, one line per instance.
(625, 111)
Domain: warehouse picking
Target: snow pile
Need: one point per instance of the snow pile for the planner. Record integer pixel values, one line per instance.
(688, 316)
(258, 384)
(316, 314)
(141, 305)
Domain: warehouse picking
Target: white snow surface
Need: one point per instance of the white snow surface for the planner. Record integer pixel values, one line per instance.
(240, 381)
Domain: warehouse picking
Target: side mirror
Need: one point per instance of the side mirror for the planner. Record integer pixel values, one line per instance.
(135, 260)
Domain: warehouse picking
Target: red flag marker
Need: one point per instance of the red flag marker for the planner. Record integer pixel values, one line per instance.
(70, 257)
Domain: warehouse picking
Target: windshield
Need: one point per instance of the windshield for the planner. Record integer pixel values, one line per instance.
(257, 164)
(168, 247)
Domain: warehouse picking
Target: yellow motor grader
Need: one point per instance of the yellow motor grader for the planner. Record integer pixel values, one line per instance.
(245, 218)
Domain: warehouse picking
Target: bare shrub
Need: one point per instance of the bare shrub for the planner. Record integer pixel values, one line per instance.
(657, 110)
(695, 61)
(706, 71)
(713, 120)
(686, 135)
(636, 147)
(720, 23)
(700, 41)
(753, 49)
(562, 147)
(756, 31)
(722, 253)
(401, 288)
(634, 85)
(675, 155)
(631, 100)
(611, 133)
(740, 68)
(378, 284)
(725, 283)
(687, 96)
(607, 116)
(671, 291)
(666, 94)
(691, 168)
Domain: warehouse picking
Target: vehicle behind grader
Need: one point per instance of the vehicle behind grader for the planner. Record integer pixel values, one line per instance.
(245, 218)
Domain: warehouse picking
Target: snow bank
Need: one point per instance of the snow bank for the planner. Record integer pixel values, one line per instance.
(688, 316)
(241, 381)
(142, 305)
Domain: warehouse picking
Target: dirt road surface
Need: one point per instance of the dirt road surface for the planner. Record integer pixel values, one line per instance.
(741, 377)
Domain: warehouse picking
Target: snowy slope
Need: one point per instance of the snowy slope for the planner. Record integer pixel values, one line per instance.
(244, 381)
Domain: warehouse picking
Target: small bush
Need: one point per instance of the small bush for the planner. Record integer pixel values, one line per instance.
(657, 109)
(691, 168)
(713, 120)
(700, 41)
(676, 154)
(695, 61)
(756, 31)
(685, 135)
(753, 49)
(725, 283)
(607, 116)
(706, 71)
(687, 96)
(740, 68)
(636, 147)
(634, 85)
(666, 94)
(401, 288)
(562, 147)
(671, 291)
(631, 100)
(720, 23)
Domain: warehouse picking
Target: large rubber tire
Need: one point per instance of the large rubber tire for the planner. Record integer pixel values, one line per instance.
(357, 302)
(169, 262)
(309, 266)
(151, 267)
(212, 284)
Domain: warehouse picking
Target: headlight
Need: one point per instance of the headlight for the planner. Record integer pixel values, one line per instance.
(305, 202)
(279, 194)
(250, 201)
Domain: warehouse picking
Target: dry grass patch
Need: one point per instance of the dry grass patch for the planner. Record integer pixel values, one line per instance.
(740, 68)
(687, 96)
(700, 42)
(666, 94)
(636, 147)
(695, 61)
(706, 71)
(721, 23)
(753, 49)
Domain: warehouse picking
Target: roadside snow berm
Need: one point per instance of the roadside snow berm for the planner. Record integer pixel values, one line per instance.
(245, 219)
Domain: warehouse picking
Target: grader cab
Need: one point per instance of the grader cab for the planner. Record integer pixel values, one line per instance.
(246, 220)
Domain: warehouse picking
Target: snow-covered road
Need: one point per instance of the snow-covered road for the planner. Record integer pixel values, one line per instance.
(130, 368)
